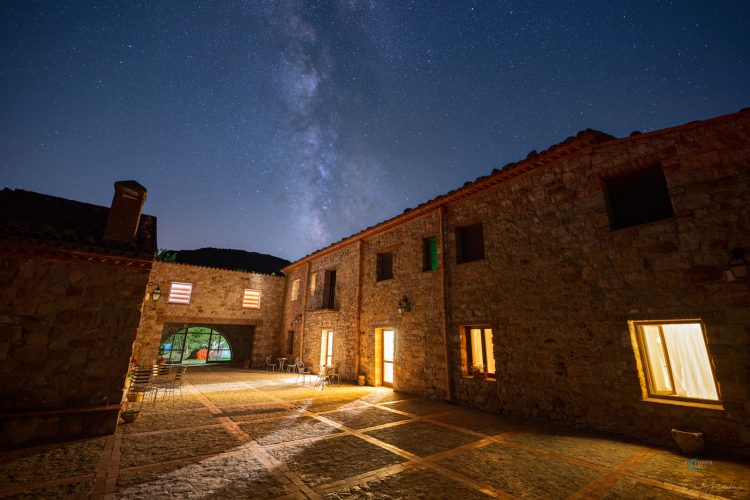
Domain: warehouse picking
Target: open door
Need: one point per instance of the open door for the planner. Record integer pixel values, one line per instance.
(389, 355)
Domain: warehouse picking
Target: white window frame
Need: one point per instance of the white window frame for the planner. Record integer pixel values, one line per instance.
(180, 293)
(326, 348)
(251, 298)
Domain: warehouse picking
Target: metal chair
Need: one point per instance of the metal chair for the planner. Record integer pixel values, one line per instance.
(142, 384)
(334, 373)
(301, 370)
(291, 367)
(270, 365)
(176, 383)
(324, 377)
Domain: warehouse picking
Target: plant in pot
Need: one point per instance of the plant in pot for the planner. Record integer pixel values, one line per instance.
(477, 371)
(128, 413)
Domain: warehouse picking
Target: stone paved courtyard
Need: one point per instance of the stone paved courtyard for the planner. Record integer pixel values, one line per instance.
(250, 434)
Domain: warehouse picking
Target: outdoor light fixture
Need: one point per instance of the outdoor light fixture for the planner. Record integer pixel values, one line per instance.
(738, 264)
(403, 305)
(297, 319)
(156, 293)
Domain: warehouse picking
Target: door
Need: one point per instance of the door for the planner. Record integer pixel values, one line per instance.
(389, 351)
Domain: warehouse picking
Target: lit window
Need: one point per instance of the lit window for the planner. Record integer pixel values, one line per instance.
(313, 283)
(326, 348)
(675, 361)
(638, 197)
(384, 269)
(479, 352)
(251, 299)
(179, 293)
(295, 289)
(429, 254)
(469, 243)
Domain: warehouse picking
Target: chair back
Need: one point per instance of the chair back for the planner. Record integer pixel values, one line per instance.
(300, 366)
(141, 379)
(179, 374)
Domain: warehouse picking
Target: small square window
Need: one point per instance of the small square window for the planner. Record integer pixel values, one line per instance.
(429, 254)
(251, 299)
(469, 243)
(638, 197)
(675, 361)
(295, 290)
(180, 293)
(384, 266)
(480, 356)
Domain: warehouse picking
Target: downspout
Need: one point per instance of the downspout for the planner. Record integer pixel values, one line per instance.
(305, 293)
(444, 300)
(357, 325)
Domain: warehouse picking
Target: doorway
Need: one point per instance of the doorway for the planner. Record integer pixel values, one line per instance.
(196, 345)
(389, 355)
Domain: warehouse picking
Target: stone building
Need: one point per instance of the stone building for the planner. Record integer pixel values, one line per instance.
(72, 277)
(588, 284)
(208, 314)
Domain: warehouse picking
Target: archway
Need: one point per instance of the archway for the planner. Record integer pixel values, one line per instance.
(196, 345)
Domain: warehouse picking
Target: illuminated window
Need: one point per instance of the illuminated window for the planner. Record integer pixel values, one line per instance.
(429, 254)
(326, 348)
(179, 293)
(479, 353)
(295, 289)
(675, 360)
(251, 299)
(469, 243)
(313, 283)
(638, 197)
(384, 266)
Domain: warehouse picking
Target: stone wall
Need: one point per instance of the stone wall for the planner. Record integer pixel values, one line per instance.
(67, 330)
(216, 302)
(558, 287)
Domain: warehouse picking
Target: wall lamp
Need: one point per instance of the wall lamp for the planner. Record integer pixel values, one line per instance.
(403, 305)
(156, 292)
(297, 319)
(738, 265)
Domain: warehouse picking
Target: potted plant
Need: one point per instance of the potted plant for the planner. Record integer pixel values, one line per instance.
(361, 378)
(477, 371)
(128, 413)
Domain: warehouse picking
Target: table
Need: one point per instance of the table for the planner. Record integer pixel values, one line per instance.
(281, 363)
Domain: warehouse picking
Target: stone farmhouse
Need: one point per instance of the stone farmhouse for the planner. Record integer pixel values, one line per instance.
(599, 284)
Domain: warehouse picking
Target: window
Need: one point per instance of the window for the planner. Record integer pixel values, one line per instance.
(429, 254)
(479, 353)
(638, 197)
(675, 360)
(179, 293)
(384, 266)
(326, 348)
(469, 243)
(313, 283)
(251, 299)
(295, 289)
(329, 290)
(290, 342)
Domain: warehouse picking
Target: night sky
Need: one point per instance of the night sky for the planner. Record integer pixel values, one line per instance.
(281, 127)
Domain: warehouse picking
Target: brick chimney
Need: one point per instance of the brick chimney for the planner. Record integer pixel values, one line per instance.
(122, 224)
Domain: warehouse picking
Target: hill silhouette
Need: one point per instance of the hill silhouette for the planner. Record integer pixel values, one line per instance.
(236, 260)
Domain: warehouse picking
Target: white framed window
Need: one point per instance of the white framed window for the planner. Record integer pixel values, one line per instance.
(313, 283)
(180, 293)
(251, 299)
(479, 352)
(675, 361)
(295, 289)
(326, 348)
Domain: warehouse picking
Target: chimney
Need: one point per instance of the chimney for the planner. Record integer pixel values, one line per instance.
(122, 224)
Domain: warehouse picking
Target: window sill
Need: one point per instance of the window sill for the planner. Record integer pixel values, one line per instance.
(485, 379)
(680, 402)
(470, 261)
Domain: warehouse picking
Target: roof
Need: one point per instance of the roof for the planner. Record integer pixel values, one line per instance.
(572, 146)
(39, 218)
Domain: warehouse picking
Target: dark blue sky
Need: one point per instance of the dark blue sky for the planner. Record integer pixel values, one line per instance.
(280, 127)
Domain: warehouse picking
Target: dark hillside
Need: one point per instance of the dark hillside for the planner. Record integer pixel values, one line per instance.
(227, 258)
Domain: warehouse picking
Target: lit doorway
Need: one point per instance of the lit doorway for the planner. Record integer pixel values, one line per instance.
(389, 351)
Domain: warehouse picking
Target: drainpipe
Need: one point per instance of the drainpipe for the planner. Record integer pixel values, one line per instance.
(358, 332)
(444, 300)
(306, 292)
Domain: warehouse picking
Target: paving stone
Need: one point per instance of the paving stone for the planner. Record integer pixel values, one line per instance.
(366, 416)
(481, 421)
(422, 438)
(252, 413)
(599, 450)
(287, 429)
(628, 488)
(519, 472)
(155, 421)
(30, 465)
(182, 443)
(236, 475)
(76, 489)
(227, 399)
(420, 407)
(332, 459)
(416, 483)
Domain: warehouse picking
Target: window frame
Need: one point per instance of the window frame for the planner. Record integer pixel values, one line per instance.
(246, 298)
(328, 300)
(427, 263)
(326, 347)
(461, 233)
(175, 300)
(294, 295)
(383, 272)
(650, 393)
(615, 196)
(468, 350)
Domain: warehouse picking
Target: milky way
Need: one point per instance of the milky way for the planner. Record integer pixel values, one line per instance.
(281, 127)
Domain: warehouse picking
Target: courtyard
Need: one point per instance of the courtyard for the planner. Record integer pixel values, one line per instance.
(252, 434)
